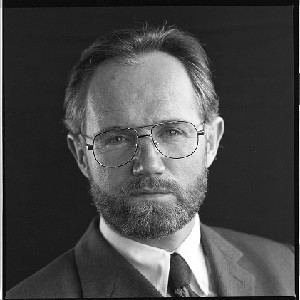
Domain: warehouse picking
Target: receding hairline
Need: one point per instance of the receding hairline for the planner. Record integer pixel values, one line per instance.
(134, 60)
(126, 44)
(173, 62)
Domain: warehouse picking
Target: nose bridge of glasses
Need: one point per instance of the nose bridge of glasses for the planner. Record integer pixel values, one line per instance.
(144, 135)
(151, 143)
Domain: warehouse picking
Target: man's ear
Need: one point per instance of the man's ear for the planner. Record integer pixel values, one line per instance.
(213, 135)
(76, 147)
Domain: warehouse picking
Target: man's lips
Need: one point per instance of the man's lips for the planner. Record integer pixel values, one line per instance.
(149, 192)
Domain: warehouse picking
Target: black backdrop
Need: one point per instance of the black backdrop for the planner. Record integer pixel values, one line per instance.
(47, 206)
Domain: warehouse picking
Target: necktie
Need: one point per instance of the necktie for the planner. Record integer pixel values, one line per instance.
(180, 277)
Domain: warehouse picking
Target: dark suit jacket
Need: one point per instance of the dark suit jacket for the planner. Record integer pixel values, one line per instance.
(242, 265)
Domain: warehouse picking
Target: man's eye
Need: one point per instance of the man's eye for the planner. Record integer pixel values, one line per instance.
(115, 140)
(172, 132)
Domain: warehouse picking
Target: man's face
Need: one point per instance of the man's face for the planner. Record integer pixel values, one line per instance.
(152, 196)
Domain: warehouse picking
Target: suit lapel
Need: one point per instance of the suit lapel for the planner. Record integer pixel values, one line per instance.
(229, 277)
(130, 283)
(103, 272)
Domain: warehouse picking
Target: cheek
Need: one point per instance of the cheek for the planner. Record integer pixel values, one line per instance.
(116, 178)
(109, 179)
(188, 168)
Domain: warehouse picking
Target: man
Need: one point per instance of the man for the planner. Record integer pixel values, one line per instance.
(143, 123)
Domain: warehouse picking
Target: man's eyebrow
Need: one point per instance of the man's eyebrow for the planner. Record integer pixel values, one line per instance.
(114, 127)
(104, 129)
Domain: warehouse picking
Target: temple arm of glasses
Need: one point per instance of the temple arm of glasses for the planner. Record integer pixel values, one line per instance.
(89, 146)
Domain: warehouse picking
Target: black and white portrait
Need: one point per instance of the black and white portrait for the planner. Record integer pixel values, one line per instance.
(149, 151)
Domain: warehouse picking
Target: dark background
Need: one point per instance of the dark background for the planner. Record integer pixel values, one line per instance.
(47, 206)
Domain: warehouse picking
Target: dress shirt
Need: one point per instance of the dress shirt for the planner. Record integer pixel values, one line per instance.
(154, 263)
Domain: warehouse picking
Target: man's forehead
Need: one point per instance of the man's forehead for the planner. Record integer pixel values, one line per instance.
(145, 113)
(150, 70)
(151, 89)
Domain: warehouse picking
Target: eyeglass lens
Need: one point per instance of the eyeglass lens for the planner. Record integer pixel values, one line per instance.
(117, 147)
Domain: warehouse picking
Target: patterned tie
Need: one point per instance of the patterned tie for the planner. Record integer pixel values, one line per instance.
(180, 277)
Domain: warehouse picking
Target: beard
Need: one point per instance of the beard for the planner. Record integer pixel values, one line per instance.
(146, 219)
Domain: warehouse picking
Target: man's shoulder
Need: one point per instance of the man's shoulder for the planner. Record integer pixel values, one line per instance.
(246, 242)
(59, 279)
(260, 253)
(269, 265)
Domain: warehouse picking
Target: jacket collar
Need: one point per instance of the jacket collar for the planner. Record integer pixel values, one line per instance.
(229, 277)
(103, 272)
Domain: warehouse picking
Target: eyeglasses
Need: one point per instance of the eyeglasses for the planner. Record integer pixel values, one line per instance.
(117, 147)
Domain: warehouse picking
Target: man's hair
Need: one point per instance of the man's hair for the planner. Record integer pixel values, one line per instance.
(127, 44)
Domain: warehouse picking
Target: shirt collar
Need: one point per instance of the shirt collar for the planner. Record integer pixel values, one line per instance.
(154, 263)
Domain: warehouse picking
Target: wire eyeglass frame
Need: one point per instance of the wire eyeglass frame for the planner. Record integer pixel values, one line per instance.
(91, 146)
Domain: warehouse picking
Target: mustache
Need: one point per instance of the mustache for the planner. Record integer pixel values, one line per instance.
(152, 183)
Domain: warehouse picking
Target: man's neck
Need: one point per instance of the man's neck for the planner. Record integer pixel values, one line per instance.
(170, 242)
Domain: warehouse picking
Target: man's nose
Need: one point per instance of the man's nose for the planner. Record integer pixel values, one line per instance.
(147, 160)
